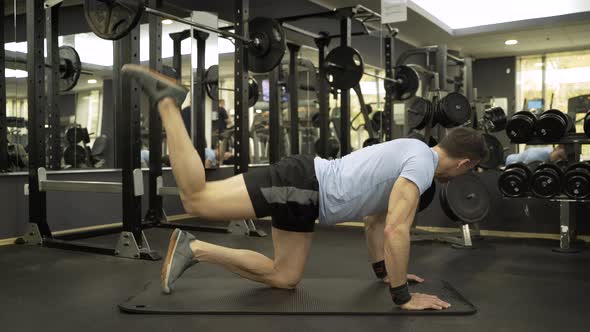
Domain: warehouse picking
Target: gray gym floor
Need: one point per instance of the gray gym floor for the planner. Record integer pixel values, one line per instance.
(516, 285)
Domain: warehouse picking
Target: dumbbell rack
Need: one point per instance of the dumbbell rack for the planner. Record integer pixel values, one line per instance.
(567, 215)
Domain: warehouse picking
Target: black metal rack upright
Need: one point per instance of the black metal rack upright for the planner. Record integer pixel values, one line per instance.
(324, 94)
(36, 111)
(389, 119)
(274, 116)
(3, 125)
(54, 137)
(345, 40)
(242, 141)
(293, 88)
(155, 212)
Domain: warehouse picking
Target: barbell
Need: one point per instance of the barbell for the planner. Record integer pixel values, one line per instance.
(345, 67)
(114, 19)
(212, 86)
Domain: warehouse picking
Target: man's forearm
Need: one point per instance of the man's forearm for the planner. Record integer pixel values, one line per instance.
(374, 236)
(397, 253)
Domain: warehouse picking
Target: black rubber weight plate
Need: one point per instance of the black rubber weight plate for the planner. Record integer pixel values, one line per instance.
(312, 297)
(495, 152)
(212, 82)
(112, 19)
(467, 198)
(72, 67)
(347, 69)
(273, 45)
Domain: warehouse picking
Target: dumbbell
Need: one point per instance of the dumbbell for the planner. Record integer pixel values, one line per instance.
(521, 127)
(515, 180)
(452, 110)
(577, 180)
(494, 119)
(553, 124)
(546, 181)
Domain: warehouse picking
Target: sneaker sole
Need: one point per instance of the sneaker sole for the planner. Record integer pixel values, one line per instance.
(165, 275)
(148, 71)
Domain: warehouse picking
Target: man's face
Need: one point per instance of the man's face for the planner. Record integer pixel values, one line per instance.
(455, 168)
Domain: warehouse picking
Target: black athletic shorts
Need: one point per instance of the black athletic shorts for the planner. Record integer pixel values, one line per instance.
(287, 191)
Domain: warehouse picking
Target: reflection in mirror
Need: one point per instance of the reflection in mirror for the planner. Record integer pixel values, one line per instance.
(15, 103)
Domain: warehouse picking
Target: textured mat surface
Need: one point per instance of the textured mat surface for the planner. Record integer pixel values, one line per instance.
(313, 296)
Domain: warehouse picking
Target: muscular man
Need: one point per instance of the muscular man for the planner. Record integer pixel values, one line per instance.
(384, 181)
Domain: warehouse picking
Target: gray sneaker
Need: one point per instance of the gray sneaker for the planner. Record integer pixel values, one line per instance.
(155, 85)
(179, 258)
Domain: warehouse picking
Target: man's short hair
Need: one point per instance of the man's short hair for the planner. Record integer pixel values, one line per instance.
(465, 142)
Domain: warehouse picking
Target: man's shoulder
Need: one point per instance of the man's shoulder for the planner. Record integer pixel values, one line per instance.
(410, 147)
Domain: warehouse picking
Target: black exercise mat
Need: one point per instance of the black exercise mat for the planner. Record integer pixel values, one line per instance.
(312, 297)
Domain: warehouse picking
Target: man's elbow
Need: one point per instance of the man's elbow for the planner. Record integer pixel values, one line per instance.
(396, 230)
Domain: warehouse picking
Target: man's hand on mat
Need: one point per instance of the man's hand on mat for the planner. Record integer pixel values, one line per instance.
(412, 278)
(421, 301)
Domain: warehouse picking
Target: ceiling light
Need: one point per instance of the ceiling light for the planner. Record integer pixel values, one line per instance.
(166, 21)
(539, 64)
(92, 81)
(511, 42)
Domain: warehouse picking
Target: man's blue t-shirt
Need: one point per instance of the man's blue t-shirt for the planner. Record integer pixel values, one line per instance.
(359, 184)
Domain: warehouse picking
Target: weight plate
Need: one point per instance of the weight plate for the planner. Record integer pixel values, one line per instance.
(495, 152)
(212, 82)
(344, 67)
(467, 199)
(113, 19)
(577, 181)
(521, 127)
(410, 82)
(333, 148)
(419, 113)
(552, 124)
(494, 119)
(75, 135)
(75, 156)
(416, 135)
(546, 180)
(265, 56)
(455, 110)
(253, 92)
(70, 68)
(515, 180)
(427, 197)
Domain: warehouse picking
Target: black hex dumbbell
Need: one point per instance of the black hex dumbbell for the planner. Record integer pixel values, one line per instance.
(577, 180)
(547, 179)
(521, 127)
(553, 124)
(515, 180)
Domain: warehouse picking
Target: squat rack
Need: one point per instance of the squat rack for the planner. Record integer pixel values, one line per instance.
(132, 242)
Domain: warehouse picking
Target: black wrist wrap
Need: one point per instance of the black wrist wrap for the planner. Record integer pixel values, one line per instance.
(400, 294)
(379, 269)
